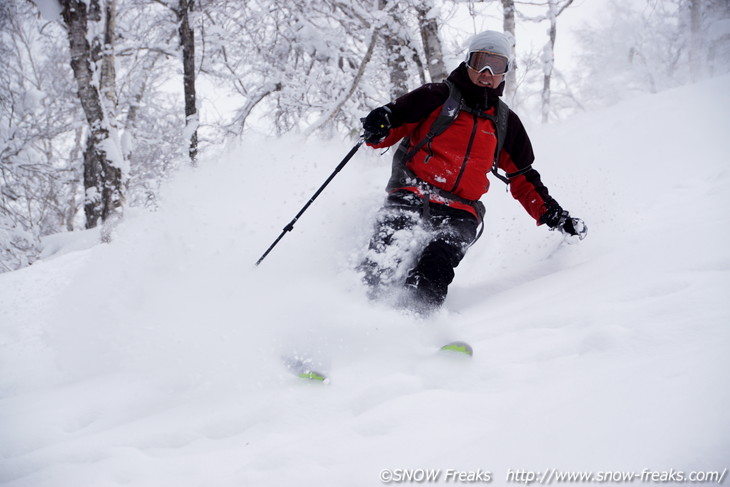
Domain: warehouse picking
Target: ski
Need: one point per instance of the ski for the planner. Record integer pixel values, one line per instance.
(459, 347)
(313, 375)
(304, 370)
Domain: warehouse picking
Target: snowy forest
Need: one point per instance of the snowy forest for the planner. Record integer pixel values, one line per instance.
(102, 100)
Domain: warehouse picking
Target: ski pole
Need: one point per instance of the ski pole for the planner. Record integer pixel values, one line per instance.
(290, 226)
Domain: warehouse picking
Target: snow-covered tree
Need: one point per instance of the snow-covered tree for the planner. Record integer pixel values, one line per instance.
(554, 8)
(429, 26)
(90, 31)
(318, 65)
(508, 26)
(39, 136)
(709, 35)
(652, 46)
(155, 139)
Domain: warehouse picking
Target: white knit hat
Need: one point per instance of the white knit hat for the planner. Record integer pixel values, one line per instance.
(491, 40)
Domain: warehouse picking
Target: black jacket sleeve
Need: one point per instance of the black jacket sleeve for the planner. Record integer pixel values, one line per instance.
(417, 105)
(517, 155)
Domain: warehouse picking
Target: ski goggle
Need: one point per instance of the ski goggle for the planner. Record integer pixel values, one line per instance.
(481, 61)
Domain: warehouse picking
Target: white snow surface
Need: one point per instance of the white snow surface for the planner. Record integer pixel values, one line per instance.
(156, 360)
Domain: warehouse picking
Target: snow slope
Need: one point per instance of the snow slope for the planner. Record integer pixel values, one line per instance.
(155, 360)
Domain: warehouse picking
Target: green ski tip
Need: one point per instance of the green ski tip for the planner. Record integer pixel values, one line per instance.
(460, 347)
(302, 368)
(310, 375)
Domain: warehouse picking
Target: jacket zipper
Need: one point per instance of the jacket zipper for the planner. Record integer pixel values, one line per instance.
(466, 156)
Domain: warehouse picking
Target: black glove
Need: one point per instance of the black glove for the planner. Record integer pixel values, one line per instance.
(376, 125)
(575, 227)
(557, 218)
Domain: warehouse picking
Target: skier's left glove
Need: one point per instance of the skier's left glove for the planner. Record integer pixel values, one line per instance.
(575, 227)
(558, 219)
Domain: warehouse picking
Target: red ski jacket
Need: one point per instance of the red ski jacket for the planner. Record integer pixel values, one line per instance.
(460, 159)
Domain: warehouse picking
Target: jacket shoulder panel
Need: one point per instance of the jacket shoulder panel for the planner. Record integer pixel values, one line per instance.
(417, 105)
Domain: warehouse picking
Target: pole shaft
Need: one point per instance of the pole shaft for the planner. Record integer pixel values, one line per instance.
(290, 226)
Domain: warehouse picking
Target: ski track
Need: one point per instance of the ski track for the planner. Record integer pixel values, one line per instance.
(157, 360)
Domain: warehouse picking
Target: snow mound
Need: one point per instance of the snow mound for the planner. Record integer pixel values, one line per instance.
(157, 360)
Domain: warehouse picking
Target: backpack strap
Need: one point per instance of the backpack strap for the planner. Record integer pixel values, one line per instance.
(500, 124)
(449, 111)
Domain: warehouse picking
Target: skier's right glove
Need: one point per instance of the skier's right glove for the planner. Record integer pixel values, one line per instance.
(376, 125)
(558, 219)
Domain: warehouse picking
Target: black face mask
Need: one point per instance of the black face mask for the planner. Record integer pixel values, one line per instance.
(475, 96)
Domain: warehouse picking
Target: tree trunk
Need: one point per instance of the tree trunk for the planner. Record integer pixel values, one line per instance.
(431, 44)
(108, 80)
(508, 25)
(137, 91)
(113, 172)
(548, 55)
(548, 59)
(187, 41)
(395, 49)
(397, 65)
(103, 176)
(696, 51)
(72, 206)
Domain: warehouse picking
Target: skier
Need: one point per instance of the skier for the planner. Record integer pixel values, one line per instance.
(440, 172)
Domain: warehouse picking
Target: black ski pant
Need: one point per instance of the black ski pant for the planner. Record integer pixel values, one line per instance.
(418, 245)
